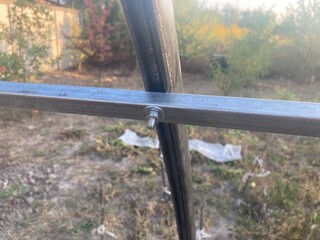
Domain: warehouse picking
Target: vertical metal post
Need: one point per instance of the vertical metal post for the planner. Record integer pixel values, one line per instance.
(152, 29)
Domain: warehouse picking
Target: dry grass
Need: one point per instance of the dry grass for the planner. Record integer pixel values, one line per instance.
(52, 164)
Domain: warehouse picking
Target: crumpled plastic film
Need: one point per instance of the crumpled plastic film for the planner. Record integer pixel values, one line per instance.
(214, 151)
(131, 138)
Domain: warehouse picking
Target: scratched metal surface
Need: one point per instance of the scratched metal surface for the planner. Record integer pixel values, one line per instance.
(287, 117)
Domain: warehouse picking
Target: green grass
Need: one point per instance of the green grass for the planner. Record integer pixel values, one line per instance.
(12, 191)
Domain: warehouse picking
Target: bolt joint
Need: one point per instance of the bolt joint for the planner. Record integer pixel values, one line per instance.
(153, 115)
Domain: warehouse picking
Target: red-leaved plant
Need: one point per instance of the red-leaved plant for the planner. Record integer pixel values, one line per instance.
(103, 39)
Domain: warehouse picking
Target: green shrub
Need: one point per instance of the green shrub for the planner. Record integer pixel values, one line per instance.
(195, 28)
(26, 39)
(248, 57)
(298, 52)
(10, 67)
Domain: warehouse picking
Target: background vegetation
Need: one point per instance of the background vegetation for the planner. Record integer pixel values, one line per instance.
(26, 40)
(255, 43)
(103, 39)
(250, 44)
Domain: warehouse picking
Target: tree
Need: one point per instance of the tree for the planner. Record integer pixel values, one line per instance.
(300, 28)
(26, 38)
(194, 24)
(249, 56)
(104, 38)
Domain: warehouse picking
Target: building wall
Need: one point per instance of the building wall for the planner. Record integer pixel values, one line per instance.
(3, 19)
(66, 23)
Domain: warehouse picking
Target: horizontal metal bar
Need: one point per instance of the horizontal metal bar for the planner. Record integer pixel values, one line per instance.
(287, 117)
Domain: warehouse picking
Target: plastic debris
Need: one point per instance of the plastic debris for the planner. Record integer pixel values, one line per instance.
(214, 151)
(101, 230)
(201, 234)
(110, 234)
(166, 191)
(131, 138)
(248, 175)
(262, 173)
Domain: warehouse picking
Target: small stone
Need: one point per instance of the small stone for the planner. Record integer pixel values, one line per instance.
(31, 127)
(5, 184)
(32, 180)
(52, 176)
(54, 200)
(30, 200)
(56, 166)
(30, 174)
(29, 210)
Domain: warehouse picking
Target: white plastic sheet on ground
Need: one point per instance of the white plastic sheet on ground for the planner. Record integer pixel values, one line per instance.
(214, 151)
(131, 138)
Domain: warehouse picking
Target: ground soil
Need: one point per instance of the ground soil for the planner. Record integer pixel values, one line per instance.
(52, 166)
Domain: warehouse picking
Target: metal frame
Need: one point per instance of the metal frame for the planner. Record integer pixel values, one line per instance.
(276, 116)
(152, 29)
